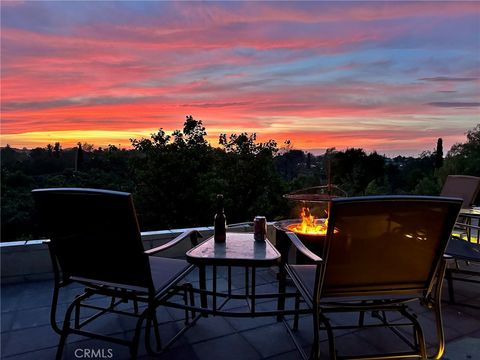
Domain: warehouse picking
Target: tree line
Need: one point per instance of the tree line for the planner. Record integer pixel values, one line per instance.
(175, 178)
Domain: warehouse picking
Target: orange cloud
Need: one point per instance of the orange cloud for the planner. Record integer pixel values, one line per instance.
(320, 74)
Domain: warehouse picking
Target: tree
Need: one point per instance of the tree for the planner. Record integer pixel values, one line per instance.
(79, 157)
(57, 149)
(439, 154)
(463, 158)
(290, 163)
(194, 132)
(49, 150)
(170, 175)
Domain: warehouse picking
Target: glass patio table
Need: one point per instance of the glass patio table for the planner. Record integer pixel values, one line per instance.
(239, 250)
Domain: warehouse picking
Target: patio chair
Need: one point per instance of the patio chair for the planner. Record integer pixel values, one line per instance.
(94, 240)
(461, 248)
(464, 250)
(380, 254)
(462, 186)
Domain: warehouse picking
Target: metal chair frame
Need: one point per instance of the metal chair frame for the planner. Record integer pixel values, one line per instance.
(467, 187)
(379, 301)
(461, 250)
(118, 293)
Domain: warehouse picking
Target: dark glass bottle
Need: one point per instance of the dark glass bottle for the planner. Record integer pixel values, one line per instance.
(220, 222)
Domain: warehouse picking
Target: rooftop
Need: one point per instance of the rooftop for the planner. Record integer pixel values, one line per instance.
(26, 332)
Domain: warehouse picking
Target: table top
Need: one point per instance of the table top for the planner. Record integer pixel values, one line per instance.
(239, 249)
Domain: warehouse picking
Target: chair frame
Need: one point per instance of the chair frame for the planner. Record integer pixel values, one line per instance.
(459, 252)
(430, 297)
(460, 190)
(121, 293)
(469, 253)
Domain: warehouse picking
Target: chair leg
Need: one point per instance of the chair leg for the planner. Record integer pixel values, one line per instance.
(451, 293)
(437, 308)
(66, 325)
(135, 306)
(440, 332)
(53, 309)
(152, 318)
(77, 316)
(148, 326)
(418, 333)
(282, 279)
(185, 301)
(112, 302)
(297, 307)
(136, 336)
(361, 319)
(60, 346)
(192, 299)
(331, 339)
(156, 330)
(315, 354)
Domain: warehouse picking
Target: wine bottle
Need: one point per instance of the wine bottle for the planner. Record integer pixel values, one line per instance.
(220, 222)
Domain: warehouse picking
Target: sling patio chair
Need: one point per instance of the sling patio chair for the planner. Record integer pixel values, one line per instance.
(465, 187)
(462, 186)
(465, 254)
(94, 240)
(380, 254)
(463, 247)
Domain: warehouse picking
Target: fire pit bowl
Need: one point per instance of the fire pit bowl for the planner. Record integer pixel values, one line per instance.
(313, 241)
(312, 205)
(294, 225)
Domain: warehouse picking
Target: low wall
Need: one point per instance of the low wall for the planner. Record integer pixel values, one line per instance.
(30, 260)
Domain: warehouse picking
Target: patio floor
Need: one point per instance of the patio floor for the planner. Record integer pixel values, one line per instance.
(26, 333)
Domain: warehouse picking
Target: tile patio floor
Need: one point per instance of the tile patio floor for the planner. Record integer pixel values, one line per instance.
(27, 335)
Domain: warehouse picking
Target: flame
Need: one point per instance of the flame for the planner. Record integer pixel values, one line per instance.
(308, 225)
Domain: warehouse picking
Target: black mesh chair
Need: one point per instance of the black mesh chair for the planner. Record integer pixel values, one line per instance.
(463, 247)
(464, 251)
(462, 186)
(380, 253)
(94, 240)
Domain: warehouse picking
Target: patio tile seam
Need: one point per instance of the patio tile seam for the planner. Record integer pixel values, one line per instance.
(29, 351)
(60, 324)
(240, 333)
(461, 336)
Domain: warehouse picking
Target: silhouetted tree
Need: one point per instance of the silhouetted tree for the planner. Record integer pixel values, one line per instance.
(79, 158)
(49, 150)
(439, 154)
(56, 149)
(174, 178)
(290, 163)
(463, 158)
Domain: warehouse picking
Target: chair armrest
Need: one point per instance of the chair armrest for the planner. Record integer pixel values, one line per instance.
(302, 248)
(173, 242)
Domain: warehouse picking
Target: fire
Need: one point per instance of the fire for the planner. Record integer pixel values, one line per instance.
(309, 226)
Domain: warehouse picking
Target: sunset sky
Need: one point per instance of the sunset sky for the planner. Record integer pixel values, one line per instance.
(385, 76)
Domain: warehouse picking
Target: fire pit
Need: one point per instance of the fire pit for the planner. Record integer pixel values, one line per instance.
(312, 205)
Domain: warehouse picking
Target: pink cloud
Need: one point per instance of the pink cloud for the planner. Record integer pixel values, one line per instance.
(263, 67)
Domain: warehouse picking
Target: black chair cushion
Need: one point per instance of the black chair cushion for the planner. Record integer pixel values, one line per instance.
(463, 250)
(165, 270)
